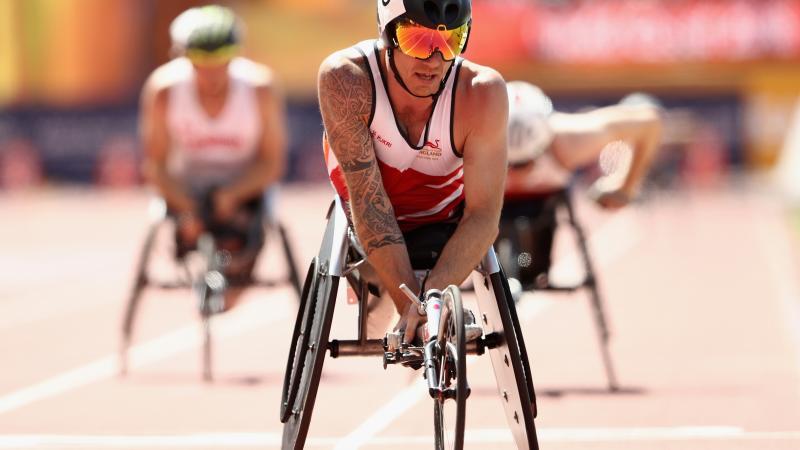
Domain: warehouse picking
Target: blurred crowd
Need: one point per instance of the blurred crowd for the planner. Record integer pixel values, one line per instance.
(728, 79)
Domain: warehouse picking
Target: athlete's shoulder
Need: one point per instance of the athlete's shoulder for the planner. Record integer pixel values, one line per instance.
(349, 62)
(169, 74)
(252, 72)
(344, 85)
(481, 86)
(157, 86)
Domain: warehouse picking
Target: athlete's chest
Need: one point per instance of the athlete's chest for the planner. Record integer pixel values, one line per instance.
(212, 106)
(233, 127)
(412, 124)
(432, 154)
(415, 134)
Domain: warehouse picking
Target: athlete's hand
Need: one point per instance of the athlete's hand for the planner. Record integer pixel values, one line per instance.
(225, 206)
(409, 321)
(190, 227)
(609, 197)
(613, 200)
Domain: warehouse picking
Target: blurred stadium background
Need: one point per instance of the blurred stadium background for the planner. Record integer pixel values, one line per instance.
(703, 283)
(728, 72)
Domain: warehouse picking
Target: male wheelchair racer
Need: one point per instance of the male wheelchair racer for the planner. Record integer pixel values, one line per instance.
(206, 268)
(525, 244)
(443, 355)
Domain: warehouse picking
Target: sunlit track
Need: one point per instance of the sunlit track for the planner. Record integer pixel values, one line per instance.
(385, 415)
(783, 269)
(618, 230)
(699, 286)
(478, 436)
(610, 242)
(248, 317)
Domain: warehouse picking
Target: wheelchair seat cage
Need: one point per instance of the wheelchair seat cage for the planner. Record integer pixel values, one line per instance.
(209, 285)
(501, 339)
(543, 226)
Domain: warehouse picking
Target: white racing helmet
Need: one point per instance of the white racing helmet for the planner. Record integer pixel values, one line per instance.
(388, 11)
(528, 132)
(428, 13)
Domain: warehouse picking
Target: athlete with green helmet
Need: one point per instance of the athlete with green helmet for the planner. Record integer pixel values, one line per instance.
(213, 130)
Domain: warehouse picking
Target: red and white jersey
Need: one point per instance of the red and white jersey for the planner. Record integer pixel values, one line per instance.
(207, 151)
(424, 180)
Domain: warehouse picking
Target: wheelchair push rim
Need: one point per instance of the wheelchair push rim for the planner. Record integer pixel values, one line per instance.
(449, 408)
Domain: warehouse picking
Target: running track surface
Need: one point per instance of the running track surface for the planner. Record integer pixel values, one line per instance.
(701, 289)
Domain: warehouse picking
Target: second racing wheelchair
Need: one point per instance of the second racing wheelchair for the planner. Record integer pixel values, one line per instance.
(441, 356)
(201, 269)
(524, 247)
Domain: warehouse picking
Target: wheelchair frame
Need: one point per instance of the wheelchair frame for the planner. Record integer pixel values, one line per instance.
(502, 337)
(209, 289)
(563, 201)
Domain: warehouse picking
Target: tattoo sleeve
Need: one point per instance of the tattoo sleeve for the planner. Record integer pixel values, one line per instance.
(345, 96)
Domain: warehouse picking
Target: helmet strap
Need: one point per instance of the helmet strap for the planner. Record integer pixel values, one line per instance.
(390, 54)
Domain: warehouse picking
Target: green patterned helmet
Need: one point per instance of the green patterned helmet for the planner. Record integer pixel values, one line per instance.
(206, 31)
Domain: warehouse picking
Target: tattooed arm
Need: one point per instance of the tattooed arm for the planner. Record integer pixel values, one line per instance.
(345, 98)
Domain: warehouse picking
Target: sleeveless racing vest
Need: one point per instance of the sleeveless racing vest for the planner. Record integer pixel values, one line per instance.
(424, 180)
(211, 151)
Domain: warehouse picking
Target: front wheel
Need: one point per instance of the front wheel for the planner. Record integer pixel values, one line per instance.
(449, 409)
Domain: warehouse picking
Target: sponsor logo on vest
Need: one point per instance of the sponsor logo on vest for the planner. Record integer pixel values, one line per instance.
(432, 144)
(380, 139)
(201, 143)
(431, 150)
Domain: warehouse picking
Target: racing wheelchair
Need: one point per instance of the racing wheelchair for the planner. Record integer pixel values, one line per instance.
(205, 274)
(442, 357)
(524, 246)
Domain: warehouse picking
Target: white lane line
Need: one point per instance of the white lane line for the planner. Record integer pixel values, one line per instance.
(222, 440)
(596, 435)
(246, 317)
(475, 436)
(618, 235)
(380, 419)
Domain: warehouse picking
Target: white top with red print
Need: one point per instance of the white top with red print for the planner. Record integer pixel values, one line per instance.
(424, 181)
(210, 151)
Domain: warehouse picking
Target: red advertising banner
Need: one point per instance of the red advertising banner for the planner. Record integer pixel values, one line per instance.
(635, 31)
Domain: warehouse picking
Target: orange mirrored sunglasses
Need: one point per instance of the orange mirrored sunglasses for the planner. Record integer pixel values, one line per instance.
(421, 42)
